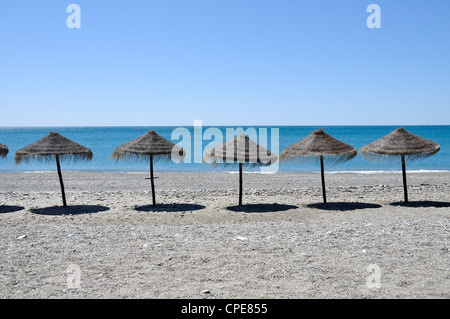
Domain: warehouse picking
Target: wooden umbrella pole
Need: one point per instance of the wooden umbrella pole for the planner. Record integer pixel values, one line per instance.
(58, 165)
(152, 180)
(405, 187)
(240, 184)
(322, 171)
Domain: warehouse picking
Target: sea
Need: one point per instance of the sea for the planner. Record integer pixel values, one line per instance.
(103, 140)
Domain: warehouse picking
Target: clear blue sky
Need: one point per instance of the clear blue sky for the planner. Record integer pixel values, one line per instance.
(226, 62)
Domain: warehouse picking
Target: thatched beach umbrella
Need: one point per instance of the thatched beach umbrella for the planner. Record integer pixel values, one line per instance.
(54, 145)
(242, 150)
(319, 145)
(148, 146)
(403, 144)
(3, 150)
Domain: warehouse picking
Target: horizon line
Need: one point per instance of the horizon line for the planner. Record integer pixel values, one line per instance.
(234, 125)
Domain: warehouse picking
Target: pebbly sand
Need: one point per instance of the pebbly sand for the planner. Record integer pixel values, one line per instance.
(198, 244)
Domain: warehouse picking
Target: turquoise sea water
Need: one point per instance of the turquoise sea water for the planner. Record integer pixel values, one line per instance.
(103, 141)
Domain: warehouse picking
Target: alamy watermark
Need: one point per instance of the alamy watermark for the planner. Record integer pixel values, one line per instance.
(193, 146)
(374, 279)
(73, 276)
(374, 19)
(74, 19)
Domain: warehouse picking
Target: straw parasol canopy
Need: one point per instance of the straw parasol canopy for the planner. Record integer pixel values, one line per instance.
(242, 150)
(55, 146)
(3, 150)
(400, 144)
(149, 146)
(319, 145)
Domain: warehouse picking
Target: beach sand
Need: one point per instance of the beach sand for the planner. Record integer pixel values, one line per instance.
(197, 244)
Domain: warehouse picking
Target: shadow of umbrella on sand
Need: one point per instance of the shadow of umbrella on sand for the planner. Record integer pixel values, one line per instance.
(262, 208)
(347, 206)
(242, 150)
(3, 150)
(423, 203)
(400, 144)
(10, 209)
(178, 207)
(72, 210)
(55, 146)
(319, 145)
(149, 146)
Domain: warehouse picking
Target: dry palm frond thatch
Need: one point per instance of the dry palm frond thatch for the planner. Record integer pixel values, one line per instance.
(400, 144)
(316, 145)
(51, 145)
(54, 145)
(3, 150)
(319, 145)
(242, 150)
(150, 143)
